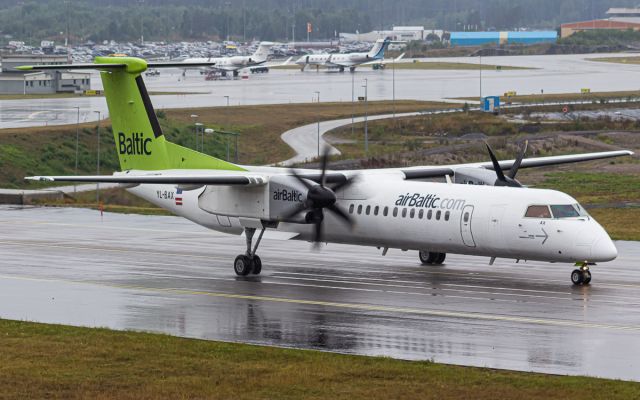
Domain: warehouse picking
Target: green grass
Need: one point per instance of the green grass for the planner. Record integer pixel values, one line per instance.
(595, 187)
(61, 362)
(617, 60)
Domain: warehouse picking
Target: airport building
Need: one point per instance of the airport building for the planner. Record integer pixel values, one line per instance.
(13, 81)
(617, 19)
(399, 33)
(498, 38)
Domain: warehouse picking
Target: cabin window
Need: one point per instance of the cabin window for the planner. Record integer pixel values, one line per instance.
(386, 211)
(421, 213)
(564, 211)
(412, 213)
(351, 209)
(375, 210)
(466, 217)
(447, 215)
(360, 209)
(429, 214)
(395, 211)
(404, 213)
(368, 210)
(438, 213)
(538, 212)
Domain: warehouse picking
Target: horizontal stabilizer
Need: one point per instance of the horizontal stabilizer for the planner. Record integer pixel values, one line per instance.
(112, 66)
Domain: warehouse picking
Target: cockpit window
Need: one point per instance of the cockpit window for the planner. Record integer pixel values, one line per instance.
(538, 212)
(567, 211)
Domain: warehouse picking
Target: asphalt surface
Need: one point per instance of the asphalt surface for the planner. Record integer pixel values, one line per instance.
(165, 274)
(552, 74)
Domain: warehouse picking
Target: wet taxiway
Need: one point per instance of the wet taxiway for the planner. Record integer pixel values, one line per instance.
(548, 74)
(165, 274)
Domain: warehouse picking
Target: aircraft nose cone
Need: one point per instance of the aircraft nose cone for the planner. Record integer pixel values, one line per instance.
(604, 250)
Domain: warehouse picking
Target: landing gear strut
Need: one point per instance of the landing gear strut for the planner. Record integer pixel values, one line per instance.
(431, 258)
(581, 276)
(249, 263)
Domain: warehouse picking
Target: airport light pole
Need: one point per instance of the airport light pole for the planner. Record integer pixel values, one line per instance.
(353, 104)
(366, 127)
(198, 130)
(77, 143)
(235, 134)
(98, 162)
(393, 86)
(480, 79)
(194, 117)
(318, 94)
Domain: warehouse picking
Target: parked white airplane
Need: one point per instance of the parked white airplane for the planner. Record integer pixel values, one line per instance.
(478, 211)
(350, 60)
(235, 63)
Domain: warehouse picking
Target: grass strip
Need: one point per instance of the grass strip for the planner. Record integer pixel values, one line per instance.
(62, 362)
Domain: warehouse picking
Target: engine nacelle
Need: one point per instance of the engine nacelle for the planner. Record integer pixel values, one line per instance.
(238, 60)
(475, 176)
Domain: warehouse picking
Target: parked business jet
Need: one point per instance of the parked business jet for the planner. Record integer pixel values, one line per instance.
(479, 209)
(235, 63)
(350, 60)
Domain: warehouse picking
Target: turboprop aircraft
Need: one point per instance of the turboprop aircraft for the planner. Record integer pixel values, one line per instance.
(235, 63)
(479, 209)
(350, 60)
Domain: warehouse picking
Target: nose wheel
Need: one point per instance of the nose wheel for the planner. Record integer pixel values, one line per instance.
(581, 276)
(431, 258)
(249, 263)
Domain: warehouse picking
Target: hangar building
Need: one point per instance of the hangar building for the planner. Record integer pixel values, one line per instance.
(618, 19)
(13, 81)
(497, 38)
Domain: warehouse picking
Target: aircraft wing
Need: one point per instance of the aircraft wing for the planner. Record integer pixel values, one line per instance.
(441, 171)
(186, 178)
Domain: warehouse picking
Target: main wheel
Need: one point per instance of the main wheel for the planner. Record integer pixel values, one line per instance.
(424, 256)
(242, 266)
(440, 258)
(257, 265)
(587, 277)
(577, 277)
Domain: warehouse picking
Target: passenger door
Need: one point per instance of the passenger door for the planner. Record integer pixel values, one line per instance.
(465, 226)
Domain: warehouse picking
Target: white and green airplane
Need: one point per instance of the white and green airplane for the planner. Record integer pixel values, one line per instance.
(478, 209)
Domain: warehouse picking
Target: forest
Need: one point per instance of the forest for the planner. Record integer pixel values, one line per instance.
(164, 20)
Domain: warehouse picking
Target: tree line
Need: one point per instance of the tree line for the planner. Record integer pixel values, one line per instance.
(128, 20)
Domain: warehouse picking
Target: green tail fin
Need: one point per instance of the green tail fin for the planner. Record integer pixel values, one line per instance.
(139, 140)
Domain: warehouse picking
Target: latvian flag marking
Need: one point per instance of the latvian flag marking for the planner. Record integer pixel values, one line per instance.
(178, 197)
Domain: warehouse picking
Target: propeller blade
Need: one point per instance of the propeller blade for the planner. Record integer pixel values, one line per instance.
(323, 165)
(516, 164)
(306, 183)
(341, 214)
(496, 164)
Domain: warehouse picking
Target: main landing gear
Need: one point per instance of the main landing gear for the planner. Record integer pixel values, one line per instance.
(249, 263)
(581, 276)
(431, 258)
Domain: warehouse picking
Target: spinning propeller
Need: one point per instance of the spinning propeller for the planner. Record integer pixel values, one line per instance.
(510, 179)
(320, 197)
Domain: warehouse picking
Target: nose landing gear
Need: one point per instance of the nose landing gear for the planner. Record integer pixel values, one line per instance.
(249, 263)
(581, 276)
(431, 258)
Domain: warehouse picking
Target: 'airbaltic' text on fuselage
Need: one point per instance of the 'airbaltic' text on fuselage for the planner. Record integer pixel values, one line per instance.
(287, 195)
(429, 201)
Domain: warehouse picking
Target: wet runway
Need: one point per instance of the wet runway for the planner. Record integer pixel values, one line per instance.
(552, 74)
(168, 275)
